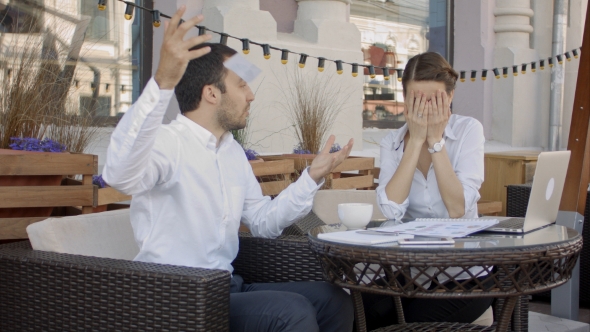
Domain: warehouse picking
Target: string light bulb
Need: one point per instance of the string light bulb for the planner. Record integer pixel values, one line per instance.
(505, 72)
(533, 66)
(484, 74)
(302, 59)
(462, 76)
(542, 64)
(575, 52)
(223, 39)
(123, 90)
(386, 73)
(129, 11)
(371, 71)
(202, 30)
(156, 18)
(266, 51)
(284, 56)
(550, 60)
(355, 70)
(400, 74)
(107, 87)
(515, 70)
(92, 86)
(559, 59)
(496, 73)
(321, 62)
(523, 68)
(102, 4)
(568, 56)
(473, 75)
(77, 84)
(245, 46)
(339, 67)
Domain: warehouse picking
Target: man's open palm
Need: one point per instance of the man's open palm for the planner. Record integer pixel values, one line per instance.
(325, 161)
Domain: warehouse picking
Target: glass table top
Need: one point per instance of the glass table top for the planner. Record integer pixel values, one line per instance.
(552, 234)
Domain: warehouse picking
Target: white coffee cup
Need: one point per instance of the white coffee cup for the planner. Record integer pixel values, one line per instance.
(355, 215)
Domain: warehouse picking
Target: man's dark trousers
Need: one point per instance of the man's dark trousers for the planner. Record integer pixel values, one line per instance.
(289, 306)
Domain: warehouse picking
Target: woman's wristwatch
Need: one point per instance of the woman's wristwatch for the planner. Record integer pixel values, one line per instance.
(437, 146)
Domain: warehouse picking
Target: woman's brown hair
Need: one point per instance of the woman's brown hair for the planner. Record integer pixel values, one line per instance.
(429, 66)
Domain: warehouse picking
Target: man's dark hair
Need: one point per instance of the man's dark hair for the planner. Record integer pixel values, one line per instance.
(206, 70)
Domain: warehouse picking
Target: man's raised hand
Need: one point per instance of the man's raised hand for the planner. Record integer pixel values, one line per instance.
(175, 52)
(325, 161)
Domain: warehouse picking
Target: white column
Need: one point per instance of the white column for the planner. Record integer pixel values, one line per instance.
(241, 18)
(516, 117)
(325, 22)
(474, 50)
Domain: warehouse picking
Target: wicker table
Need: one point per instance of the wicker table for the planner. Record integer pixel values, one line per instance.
(533, 263)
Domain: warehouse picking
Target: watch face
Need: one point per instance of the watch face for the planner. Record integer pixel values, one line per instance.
(437, 147)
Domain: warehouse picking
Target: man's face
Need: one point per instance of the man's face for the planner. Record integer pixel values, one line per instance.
(235, 103)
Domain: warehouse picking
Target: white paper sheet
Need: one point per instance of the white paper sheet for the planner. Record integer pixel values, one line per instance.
(242, 67)
(354, 237)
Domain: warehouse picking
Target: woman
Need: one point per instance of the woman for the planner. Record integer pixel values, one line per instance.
(432, 167)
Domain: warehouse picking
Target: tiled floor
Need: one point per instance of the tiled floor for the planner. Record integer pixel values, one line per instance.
(545, 308)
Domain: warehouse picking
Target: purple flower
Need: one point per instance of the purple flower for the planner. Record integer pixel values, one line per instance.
(251, 154)
(97, 180)
(335, 148)
(299, 150)
(34, 144)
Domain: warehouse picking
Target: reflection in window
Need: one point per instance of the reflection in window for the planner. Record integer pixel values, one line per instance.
(391, 33)
(98, 28)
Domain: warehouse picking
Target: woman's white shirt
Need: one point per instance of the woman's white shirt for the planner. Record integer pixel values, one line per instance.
(464, 142)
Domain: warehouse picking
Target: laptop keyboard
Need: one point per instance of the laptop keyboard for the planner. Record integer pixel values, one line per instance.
(512, 223)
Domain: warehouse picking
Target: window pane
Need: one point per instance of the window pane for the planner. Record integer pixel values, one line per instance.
(95, 56)
(391, 33)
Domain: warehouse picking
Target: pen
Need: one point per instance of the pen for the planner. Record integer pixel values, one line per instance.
(370, 232)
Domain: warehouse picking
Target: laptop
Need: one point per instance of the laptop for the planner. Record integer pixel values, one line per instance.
(545, 196)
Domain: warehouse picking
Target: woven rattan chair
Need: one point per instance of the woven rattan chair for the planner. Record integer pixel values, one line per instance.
(61, 292)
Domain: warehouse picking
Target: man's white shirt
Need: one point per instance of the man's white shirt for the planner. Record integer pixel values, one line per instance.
(189, 194)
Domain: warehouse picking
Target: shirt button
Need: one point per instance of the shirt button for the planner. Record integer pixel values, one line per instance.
(152, 99)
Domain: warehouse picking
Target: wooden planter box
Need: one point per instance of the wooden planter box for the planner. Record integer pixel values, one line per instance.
(102, 199)
(274, 176)
(339, 179)
(34, 196)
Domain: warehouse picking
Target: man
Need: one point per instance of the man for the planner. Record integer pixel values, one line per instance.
(191, 185)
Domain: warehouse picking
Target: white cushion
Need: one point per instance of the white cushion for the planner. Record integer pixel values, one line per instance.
(325, 203)
(105, 234)
(486, 319)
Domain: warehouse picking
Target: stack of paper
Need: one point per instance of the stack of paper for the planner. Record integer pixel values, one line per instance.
(354, 237)
(440, 227)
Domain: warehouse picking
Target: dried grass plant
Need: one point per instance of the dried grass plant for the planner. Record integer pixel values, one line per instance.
(312, 102)
(37, 85)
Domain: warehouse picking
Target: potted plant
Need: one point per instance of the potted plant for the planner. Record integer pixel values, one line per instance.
(312, 103)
